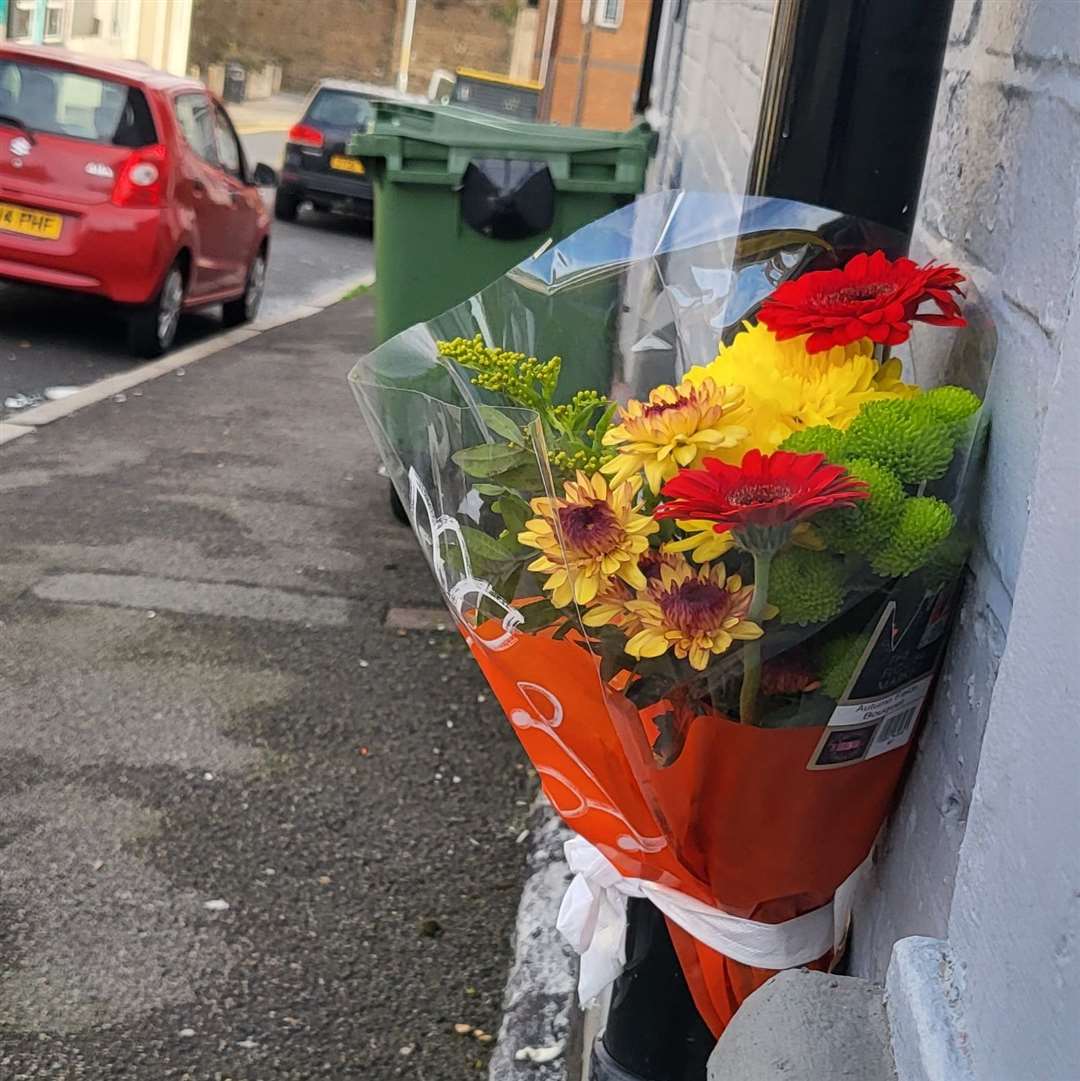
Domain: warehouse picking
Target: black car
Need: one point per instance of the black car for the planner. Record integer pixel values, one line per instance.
(317, 168)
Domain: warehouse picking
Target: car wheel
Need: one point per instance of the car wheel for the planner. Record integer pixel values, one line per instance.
(286, 204)
(152, 328)
(246, 306)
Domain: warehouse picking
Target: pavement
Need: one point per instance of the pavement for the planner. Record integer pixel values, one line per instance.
(247, 832)
(276, 113)
(87, 342)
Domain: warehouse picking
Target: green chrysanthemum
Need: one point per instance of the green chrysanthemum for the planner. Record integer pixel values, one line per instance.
(924, 523)
(807, 586)
(946, 562)
(869, 524)
(903, 436)
(952, 405)
(821, 439)
(837, 662)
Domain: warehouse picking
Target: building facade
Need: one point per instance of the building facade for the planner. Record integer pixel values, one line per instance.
(588, 55)
(154, 31)
(972, 911)
(355, 39)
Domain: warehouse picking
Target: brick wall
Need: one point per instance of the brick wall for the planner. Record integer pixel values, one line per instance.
(1001, 198)
(710, 87)
(354, 39)
(596, 66)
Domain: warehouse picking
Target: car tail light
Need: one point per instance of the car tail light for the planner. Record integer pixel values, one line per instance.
(142, 178)
(306, 136)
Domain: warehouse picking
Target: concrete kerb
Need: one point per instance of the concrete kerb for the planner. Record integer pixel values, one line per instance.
(541, 1034)
(24, 423)
(8, 432)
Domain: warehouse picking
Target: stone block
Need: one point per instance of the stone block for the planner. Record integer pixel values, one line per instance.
(964, 21)
(1045, 215)
(807, 1026)
(1051, 33)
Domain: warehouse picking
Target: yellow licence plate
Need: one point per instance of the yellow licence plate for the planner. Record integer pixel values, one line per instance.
(21, 219)
(346, 165)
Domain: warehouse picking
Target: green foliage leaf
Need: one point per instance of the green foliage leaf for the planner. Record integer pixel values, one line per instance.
(611, 664)
(648, 690)
(540, 614)
(514, 510)
(602, 425)
(491, 558)
(522, 478)
(502, 425)
(491, 459)
(505, 587)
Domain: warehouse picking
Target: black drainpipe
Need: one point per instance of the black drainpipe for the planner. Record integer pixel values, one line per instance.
(847, 106)
(652, 35)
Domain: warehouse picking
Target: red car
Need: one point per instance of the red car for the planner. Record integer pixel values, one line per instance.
(128, 183)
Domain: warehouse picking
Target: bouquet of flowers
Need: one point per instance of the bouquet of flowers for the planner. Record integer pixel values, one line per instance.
(711, 604)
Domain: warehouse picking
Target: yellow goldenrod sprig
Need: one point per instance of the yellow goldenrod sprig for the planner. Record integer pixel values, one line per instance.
(574, 430)
(524, 380)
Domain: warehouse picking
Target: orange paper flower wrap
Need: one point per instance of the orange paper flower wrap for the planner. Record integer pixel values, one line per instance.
(739, 821)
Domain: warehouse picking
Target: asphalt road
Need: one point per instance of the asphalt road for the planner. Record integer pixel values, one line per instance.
(56, 339)
(248, 832)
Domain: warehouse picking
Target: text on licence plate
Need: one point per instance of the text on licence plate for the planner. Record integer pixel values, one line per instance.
(346, 165)
(21, 219)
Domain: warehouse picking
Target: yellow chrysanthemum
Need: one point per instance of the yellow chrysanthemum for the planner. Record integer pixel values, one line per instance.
(610, 606)
(704, 544)
(788, 389)
(695, 613)
(591, 535)
(888, 381)
(674, 429)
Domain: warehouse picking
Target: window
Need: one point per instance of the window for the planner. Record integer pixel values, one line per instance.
(54, 21)
(609, 14)
(116, 26)
(339, 109)
(197, 123)
(229, 153)
(80, 106)
(21, 20)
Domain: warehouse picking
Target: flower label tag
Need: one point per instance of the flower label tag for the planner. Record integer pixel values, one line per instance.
(891, 682)
(858, 731)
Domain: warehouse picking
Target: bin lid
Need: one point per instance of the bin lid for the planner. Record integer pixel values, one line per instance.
(434, 144)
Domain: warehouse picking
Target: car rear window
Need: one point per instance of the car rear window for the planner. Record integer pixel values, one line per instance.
(49, 99)
(339, 109)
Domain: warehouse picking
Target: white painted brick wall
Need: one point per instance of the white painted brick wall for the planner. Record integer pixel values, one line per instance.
(714, 108)
(1001, 199)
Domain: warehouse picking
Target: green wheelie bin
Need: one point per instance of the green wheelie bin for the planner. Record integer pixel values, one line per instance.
(461, 196)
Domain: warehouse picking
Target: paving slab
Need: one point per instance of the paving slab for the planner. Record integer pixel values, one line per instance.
(237, 840)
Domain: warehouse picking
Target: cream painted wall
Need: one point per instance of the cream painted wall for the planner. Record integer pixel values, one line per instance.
(154, 31)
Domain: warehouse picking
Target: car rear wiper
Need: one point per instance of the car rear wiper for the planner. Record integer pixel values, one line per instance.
(15, 122)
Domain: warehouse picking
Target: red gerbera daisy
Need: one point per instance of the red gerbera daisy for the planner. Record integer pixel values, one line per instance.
(763, 499)
(870, 298)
